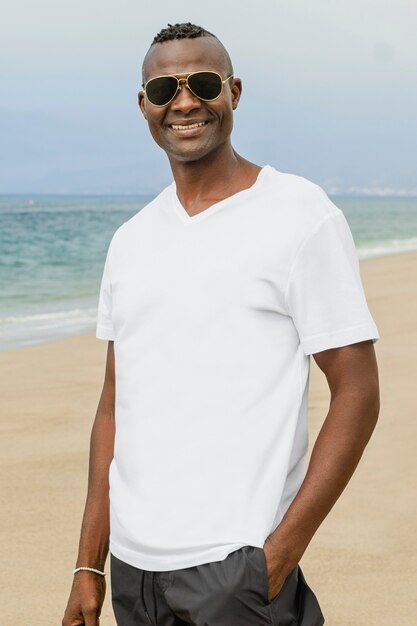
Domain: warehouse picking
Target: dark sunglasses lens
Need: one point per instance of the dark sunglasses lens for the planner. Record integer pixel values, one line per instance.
(161, 90)
(205, 85)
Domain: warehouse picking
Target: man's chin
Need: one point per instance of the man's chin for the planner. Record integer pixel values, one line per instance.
(188, 156)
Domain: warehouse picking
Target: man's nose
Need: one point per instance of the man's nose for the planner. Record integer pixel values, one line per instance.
(185, 100)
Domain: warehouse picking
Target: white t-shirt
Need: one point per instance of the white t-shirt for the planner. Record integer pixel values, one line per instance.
(213, 319)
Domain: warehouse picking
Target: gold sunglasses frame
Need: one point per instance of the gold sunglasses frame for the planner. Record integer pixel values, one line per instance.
(185, 81)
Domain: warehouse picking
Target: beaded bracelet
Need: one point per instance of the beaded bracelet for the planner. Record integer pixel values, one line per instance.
(89, 569)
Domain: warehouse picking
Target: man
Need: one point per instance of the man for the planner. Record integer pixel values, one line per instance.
(213, 298)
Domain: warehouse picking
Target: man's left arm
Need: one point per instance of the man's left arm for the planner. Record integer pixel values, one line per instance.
(352, 376)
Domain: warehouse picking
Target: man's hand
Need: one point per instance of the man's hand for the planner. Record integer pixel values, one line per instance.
(85, 601)
(279, 566)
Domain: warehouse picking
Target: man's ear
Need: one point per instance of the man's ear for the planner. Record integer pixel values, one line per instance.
(141, 102)
(236, 89)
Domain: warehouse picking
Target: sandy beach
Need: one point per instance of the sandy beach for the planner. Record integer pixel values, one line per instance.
(362, 563)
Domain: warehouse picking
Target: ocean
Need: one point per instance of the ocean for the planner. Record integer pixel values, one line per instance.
(52, 251)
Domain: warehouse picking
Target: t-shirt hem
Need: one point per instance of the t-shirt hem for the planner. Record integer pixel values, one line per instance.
(340, 338)
(165, 564)
(103, 332)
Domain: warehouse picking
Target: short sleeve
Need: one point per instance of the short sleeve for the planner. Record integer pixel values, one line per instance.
(104, 328)
(325, 296)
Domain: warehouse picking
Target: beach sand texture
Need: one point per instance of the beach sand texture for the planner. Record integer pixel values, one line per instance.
(362, 563)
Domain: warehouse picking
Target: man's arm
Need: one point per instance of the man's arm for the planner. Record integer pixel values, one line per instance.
(88, 589)
(352, 376)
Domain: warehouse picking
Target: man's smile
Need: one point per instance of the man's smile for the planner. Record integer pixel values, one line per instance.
(187, 128)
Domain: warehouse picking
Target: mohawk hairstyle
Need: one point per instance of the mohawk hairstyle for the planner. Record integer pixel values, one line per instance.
(186, 30)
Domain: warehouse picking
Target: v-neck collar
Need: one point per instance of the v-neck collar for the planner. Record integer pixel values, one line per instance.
(213, 208)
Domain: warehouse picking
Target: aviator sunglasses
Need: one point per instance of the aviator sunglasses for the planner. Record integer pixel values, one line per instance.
(207, 86)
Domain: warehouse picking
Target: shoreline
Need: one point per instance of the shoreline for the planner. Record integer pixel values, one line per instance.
(40, 342)
(361, 561)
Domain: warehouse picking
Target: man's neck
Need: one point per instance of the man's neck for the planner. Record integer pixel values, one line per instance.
(205, 182)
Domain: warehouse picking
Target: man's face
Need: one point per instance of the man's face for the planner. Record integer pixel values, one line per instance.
(180, 57)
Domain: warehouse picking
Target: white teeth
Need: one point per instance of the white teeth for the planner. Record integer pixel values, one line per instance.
(181, 127)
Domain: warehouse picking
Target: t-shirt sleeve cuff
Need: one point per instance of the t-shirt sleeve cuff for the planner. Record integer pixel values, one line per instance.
(338, 339)
(104, 332)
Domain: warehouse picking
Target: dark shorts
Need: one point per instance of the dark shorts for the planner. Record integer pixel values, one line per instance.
(231, 592)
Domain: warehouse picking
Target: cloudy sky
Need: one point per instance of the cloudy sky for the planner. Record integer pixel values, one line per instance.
(329, 91)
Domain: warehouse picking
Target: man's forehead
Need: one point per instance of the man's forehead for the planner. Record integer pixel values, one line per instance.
(181, 56)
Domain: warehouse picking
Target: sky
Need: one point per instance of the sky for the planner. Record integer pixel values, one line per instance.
(329, 92)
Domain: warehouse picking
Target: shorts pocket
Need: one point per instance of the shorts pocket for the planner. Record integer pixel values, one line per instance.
(309, 611)
(295, 604)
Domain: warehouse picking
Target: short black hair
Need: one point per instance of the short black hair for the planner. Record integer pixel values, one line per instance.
(186, 30)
